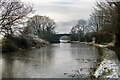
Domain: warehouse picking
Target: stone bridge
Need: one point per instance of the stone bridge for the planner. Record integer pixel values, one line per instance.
(56, 37)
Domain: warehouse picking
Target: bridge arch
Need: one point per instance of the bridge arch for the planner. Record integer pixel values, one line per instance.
(56, 37)
(65, 38)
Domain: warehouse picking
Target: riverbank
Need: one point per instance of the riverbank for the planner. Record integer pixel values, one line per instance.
(107, 66)
(117, 51)
(13, 43)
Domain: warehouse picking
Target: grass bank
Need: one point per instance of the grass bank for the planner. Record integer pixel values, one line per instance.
(107, 65)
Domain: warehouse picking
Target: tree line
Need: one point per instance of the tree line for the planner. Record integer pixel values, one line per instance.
(103, 24)
(20, 30)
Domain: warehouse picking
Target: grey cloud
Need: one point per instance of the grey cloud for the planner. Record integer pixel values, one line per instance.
(82, 12)
(72, 10)
(69, 23)
(65, 27)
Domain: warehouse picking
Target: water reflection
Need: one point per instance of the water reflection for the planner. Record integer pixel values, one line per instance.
(8, 66)
(48, 62)
(0, 65)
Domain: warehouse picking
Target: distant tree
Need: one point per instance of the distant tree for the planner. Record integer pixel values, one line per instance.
(75, 35)
(82, 24)
(79, 29)
(12, 14)
(42, 26)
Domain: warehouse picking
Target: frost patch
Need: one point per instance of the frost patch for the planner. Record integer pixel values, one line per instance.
(107, 69)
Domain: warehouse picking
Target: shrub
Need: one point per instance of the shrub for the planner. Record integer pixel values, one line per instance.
(99, 37)
(24, 43)
(8, 46)
(103, 38)
(13, 43)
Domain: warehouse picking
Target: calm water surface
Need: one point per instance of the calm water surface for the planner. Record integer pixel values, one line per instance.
(49, 62)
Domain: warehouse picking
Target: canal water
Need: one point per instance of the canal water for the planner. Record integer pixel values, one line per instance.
(54, 61)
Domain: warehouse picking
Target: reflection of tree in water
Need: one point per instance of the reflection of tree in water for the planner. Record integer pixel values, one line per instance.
(18, 64)
(45, 56)
(7, 66)
(40, 56)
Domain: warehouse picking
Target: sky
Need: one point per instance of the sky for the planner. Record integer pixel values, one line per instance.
(64, 12)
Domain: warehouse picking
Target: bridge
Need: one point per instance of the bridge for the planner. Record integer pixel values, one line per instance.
(56, 37)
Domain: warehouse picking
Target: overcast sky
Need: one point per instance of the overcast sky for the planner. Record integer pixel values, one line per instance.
(64, 12)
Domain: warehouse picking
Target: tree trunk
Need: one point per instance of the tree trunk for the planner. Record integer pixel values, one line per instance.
(118, 27)
(117, 44)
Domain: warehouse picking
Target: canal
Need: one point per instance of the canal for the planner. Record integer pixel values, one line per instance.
(54, 61)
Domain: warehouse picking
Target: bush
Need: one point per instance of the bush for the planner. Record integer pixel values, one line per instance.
(12, 43)
(88, 37)
(9, 47)
(100, 37)
(23, 43)
(103, 38)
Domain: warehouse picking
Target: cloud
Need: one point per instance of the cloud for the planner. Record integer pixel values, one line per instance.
(65, 27)
(64, 12)
(57, 17)
(59, 1)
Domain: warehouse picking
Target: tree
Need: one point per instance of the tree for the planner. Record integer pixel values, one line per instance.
(42, 26)
(117, 9)
(82, 24)
(109, 17)
(12, 14)
(94, 22)
(111, 9)
(25, 31)
(79, 29)
(105, 19)
(75, 35)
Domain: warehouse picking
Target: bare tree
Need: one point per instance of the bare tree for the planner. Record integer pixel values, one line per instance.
(109, 19)
(76, 33)
(82, 24)
(79, 29)
(94, 22)
(12, 13)
(42, 26)
(117, 9)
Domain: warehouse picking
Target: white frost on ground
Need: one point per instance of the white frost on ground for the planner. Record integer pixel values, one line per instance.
(102, 45)
(99, 45)
(108, 68)
(105, 66)
(35, 37)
